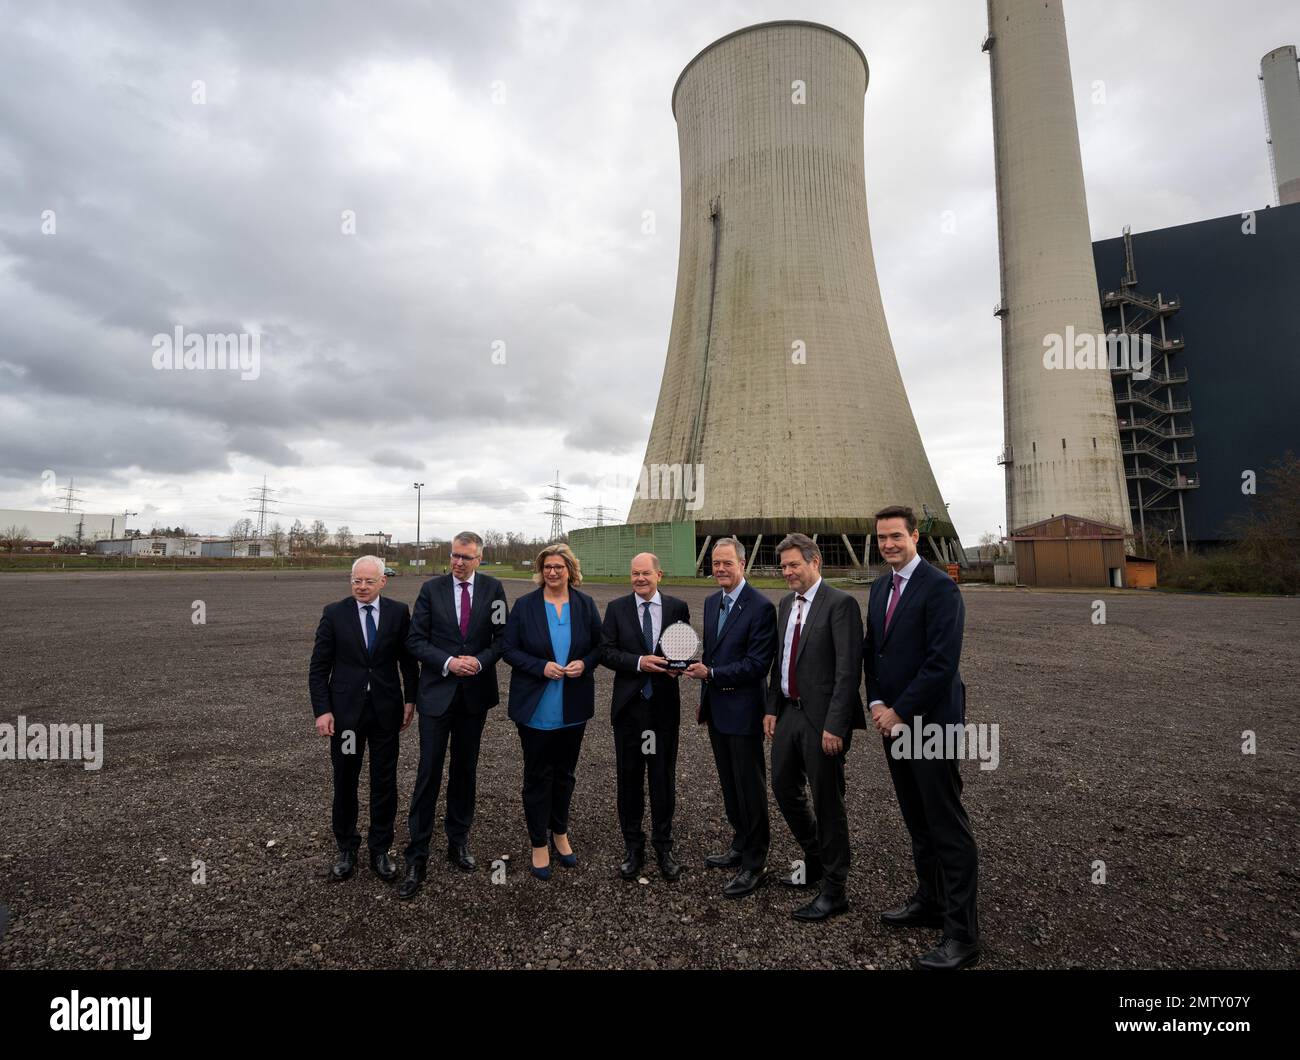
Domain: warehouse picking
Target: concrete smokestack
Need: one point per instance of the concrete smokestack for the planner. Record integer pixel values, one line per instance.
(781, 382)
(1280, 80)
(1062, 450)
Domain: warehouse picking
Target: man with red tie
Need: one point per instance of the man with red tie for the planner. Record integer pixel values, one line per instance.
(813, 706)
(456, 633)
(914, 628)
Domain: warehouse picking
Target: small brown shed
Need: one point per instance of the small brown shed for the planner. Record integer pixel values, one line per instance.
(1070, 550)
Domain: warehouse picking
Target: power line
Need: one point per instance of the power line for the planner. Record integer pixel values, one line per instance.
(556, 511)
(70, 496)
(259, 497)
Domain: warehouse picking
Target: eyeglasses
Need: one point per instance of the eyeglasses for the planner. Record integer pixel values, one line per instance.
(561, 567)
(464, 558)
(365, 581)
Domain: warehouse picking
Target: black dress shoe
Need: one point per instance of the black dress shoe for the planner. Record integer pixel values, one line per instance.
(347, 861)
(811, 878)
(950, 955)
(912, 914)
(746, 881)
(410, 886)
(821, 908)
(668, 865)
(384, 866)
(458, 854)
(730, 860)
(633, 860)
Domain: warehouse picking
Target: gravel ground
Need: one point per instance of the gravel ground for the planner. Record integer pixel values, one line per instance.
(1118, 743)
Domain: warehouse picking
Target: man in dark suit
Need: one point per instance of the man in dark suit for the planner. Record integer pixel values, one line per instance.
(359, 667)
(910, 657)
(813, 706)
(456, 633)
(739, 639)
(646, 713)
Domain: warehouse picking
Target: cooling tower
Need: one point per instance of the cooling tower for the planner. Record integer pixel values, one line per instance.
(1062, 448)
(781, 386)
(1280, 79)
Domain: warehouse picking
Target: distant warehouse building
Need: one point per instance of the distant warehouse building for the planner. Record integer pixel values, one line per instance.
(244, 548)
(151, 546)
(1215, 304)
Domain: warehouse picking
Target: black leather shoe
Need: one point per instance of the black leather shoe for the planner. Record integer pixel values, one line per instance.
(410, 886)
(912, 914)
(669, 867)
(633, 860)
(746, 881)
(458, 854)
(950, 955)
(347, 861)
(821, 908)
(812, 877)
(384, 866)
(730, 860)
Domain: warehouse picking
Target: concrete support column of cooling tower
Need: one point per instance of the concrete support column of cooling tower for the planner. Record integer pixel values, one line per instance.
(781, 382)
(1062, 439)
(1281, 80)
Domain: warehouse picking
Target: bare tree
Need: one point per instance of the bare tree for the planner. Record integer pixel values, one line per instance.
(318, 535)
(343, 538)
(297, 536)
(241, 530)
(13, 536)
(276, 537)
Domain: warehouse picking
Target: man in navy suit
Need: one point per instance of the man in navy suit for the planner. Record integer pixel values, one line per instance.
(359, 666)
(456, 633)
(910, 655)
(645, 712)
(739, 642)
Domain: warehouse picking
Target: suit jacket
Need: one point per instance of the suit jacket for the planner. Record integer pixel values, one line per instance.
(734, 700)
(528, 650)
(435, 638)
(913, 668)
(341, 667)
(828, 663)
(623, 643)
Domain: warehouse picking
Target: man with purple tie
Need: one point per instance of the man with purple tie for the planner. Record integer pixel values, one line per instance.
(915, 618)
(456, 633)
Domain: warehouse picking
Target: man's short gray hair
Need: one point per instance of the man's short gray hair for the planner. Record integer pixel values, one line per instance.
(806, 545)
(378, 563)
(468, 537)
(734, 542)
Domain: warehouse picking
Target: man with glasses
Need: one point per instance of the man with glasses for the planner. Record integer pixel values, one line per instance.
(456, 633)
(359, 667)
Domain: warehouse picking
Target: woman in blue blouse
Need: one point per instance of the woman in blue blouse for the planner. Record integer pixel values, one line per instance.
(552, 643)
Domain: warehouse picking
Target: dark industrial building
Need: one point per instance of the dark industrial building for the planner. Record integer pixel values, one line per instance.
(1219, 300)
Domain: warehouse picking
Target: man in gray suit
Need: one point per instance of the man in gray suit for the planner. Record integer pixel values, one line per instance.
(813, 706)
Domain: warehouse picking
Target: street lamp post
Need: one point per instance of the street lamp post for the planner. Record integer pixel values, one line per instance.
(418, 487)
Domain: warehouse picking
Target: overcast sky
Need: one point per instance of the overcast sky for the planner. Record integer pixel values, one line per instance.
(498, 159)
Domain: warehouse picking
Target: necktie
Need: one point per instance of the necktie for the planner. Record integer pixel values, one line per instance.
(371, 631)
(723, 611)
(464, 610)
(893, 598)
(648, 631)
(792, 678)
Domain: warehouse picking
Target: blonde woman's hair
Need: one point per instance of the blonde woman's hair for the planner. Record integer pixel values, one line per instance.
(570, 560)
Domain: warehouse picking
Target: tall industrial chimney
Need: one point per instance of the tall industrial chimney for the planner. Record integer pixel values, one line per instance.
(1280, 78)
(1062, 450)
(781, 395)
